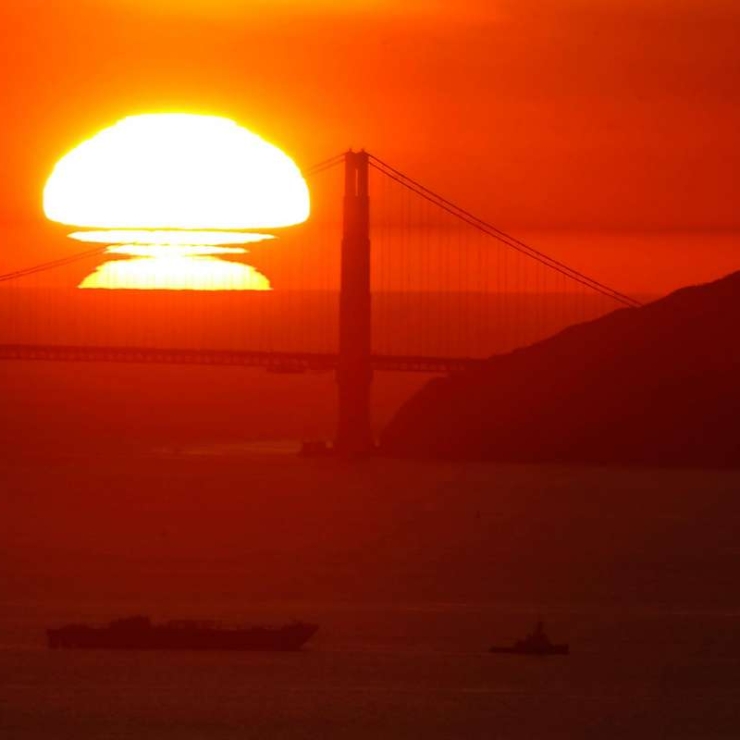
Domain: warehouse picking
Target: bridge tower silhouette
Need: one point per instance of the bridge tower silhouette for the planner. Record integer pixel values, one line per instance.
(354, 363)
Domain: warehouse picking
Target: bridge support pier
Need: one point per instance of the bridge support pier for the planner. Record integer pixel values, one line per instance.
(354, 369)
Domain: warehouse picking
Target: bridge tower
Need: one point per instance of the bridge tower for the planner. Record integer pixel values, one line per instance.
(354, 369)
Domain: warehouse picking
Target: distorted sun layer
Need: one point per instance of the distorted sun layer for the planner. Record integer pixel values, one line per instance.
(171, 180)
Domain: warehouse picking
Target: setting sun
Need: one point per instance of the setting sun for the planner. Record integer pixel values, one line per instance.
(176, 171)
(175, 268)
(162, 181)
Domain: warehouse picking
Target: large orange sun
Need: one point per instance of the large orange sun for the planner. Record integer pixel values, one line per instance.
(174, 181)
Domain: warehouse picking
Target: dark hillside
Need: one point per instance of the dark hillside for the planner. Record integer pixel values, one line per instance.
(657, 384)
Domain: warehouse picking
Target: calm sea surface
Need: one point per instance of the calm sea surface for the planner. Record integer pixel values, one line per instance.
(377, 671)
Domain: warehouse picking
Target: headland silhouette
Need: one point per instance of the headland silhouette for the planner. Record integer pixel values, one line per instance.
(650, 385)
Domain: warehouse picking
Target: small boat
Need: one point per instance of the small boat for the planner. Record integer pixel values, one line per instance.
(139, 633)
(535, 643)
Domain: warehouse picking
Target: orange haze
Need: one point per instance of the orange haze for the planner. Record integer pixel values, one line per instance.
(598, 116)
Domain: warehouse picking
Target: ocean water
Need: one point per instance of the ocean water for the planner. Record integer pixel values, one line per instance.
(412, 570)
(391, 671)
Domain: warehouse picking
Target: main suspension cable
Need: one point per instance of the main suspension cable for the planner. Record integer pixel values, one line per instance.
(487, 228)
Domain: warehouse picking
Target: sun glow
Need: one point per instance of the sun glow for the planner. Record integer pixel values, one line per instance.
(173, 191)
(169, 250)
(174, 268)
(168, 237)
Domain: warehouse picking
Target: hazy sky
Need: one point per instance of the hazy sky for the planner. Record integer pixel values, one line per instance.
(584, 114)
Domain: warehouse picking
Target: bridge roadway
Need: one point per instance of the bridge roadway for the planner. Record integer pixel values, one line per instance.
(278, 362)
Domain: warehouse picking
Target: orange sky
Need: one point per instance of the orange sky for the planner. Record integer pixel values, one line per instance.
(591, 115)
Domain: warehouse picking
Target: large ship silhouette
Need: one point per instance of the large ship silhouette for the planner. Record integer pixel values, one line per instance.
(140, 633)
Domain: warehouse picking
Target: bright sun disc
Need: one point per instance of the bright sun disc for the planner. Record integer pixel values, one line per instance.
(177, 171)
(174, 191)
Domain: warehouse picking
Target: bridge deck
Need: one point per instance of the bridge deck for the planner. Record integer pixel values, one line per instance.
(285, 362)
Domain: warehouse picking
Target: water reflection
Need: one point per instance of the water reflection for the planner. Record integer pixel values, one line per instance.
(172, 260)
(184, 237)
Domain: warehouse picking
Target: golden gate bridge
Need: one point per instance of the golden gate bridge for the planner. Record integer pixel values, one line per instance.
(423, 286)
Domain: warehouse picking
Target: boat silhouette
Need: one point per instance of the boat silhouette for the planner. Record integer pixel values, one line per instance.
(535, 643)
(140, 633)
